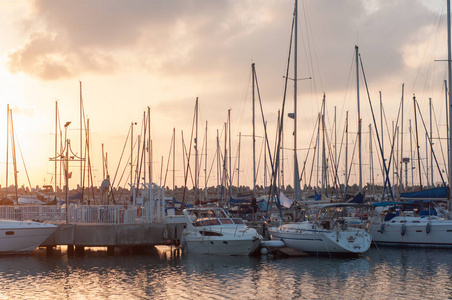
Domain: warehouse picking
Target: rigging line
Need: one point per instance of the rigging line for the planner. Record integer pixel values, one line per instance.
(274, 166)
(307, 48)
(278, 122)
(392, 144)
(351, 163)
(309, 148)
(121, 190)
(120, 158)
(260, 157)
(274, 172)
(378, 156)
(431, 145)
(333, 172)
(169, 157)
(423, 55)
(314, 155)
(440, 143)
(309, 34)
(211, 166)
(13, 148)
(23, 161)
(388, 133)
(339, 157)
(244, 102)
(351, 70)
(140, 163)
(376, 130)
(188, 154)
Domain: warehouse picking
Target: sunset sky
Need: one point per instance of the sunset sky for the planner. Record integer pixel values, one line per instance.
(133, 54)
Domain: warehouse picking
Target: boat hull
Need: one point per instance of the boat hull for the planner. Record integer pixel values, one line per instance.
(414, 232)
(23, 237)
(324, 241)
(208, 245)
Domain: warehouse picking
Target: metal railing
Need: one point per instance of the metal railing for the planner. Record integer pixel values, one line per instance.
(97, 214)
(152, 211)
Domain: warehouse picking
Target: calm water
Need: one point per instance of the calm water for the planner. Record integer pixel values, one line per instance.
(385, 273)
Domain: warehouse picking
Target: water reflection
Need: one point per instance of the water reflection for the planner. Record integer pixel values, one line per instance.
(380, 273)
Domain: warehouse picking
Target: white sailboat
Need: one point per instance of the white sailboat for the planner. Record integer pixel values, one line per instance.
(398, 224)
(329, 230)
(213, 231)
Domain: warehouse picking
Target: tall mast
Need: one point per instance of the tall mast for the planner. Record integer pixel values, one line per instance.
(447, 128)
(323, 149)
(382, 142)
(265, 165)
(56, 146)
(359, 123)
(174, 160)
(296, 175)
(81, 137)
(319, 115)
(238, 163)
(401, 141)
(254, 135)
(430, 142)
(371, 163)
(196, 149)
(225, 171)
(449, 67)
(218, 164)
(417, 144)
(132, 190)
(7, 149)
(335, 149)
(411, 155)
(149, 145)
(346, 155)
(205, 169)
(230, 153)
(282, 155)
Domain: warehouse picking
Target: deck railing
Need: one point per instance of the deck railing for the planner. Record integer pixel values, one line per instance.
(152, 210)
(99, 214)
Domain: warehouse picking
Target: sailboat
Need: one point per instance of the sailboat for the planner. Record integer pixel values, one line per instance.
(328, 230)
(21, 236)
(408, 223)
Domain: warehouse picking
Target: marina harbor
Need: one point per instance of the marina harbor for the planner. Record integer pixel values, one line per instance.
(295, 149)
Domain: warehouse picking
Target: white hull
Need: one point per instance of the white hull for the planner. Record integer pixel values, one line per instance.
(213, 231)
(220, 246)
(413, 232)
(353, 241)
(23, 237)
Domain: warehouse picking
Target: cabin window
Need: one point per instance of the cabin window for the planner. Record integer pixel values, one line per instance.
(210, 222)
(237, 221)
(9, 233)
(197, 224)
(226, 221)
(210, 233)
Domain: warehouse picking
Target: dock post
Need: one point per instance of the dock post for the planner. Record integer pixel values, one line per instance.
(110, 250)
(80, 250)
(70, 250)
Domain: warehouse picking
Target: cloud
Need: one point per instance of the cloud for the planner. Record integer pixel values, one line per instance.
(210, 41)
